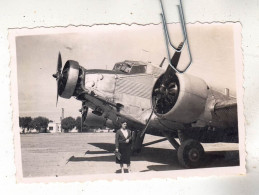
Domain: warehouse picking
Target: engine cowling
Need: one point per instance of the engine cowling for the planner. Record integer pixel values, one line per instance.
(68, 80)
(180, 98)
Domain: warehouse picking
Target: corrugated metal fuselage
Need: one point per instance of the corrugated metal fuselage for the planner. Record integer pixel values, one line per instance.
(134, 93)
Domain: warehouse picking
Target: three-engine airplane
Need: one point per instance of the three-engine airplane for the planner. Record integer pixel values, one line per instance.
(184, 106)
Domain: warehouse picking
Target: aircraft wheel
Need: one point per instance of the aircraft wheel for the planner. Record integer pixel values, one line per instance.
(190, 154)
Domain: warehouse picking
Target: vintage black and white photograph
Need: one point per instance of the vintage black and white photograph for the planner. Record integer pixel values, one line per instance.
(128, 100)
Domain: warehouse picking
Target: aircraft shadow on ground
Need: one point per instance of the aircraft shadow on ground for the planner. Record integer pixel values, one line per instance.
(167, 157)
(97, 158)
(97, 152)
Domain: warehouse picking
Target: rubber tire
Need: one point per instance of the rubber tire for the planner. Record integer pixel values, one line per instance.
(185, 157)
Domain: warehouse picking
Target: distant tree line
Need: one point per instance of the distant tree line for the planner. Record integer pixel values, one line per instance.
(41, 123)
(70, 123)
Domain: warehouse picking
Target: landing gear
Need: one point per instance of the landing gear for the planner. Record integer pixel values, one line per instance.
(137, 142)
(190, 154)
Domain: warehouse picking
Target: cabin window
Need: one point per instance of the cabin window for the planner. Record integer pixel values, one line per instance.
(138, 69)
(128, 68)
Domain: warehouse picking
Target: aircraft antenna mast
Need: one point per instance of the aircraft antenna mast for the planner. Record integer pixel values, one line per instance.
(61, 118)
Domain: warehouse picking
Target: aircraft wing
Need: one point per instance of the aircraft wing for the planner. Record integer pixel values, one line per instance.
(226, 112)
(111, 110)
(226, 104)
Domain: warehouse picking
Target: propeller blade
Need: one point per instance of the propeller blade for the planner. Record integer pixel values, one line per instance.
(59, 65)
(57, 95)
(176, 56)
(174, 61)
(58, 76)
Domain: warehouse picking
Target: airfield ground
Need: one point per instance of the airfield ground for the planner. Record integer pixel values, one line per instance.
(64, 154)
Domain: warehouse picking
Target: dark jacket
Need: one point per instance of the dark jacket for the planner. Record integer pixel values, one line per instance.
(119, 138)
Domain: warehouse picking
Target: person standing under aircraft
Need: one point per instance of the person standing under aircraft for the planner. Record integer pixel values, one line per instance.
(123, 146)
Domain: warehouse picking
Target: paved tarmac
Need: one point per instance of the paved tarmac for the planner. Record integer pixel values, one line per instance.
(64, 154)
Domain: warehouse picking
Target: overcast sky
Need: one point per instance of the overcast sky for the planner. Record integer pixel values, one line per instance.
(212, 47)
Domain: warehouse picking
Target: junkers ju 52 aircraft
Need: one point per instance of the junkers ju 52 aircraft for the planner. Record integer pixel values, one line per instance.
(184, 106)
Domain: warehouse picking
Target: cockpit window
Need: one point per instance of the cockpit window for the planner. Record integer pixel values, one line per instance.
(122, 67)
(128, 68)
(117, 67)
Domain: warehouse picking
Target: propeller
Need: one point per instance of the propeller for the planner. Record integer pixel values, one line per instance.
(166, 91)
(62, 77)
(58, 74)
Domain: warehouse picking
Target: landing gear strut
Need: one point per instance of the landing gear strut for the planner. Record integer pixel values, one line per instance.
(137, 142)
(190, 153)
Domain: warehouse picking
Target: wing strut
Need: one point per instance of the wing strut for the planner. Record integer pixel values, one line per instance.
(84, 111)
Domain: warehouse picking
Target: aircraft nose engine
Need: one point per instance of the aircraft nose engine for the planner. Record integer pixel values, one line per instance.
(181, 98)
(67, 79)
